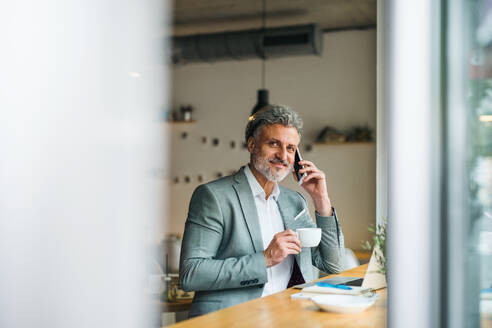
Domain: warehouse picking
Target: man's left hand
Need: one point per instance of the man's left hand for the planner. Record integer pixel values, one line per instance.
(315, 184)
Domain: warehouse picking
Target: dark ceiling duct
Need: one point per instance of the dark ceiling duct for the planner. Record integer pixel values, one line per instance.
(259, 43)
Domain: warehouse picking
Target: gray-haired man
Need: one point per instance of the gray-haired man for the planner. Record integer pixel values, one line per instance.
(239, 241)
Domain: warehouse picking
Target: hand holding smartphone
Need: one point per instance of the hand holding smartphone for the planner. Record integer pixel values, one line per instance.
(300, 177)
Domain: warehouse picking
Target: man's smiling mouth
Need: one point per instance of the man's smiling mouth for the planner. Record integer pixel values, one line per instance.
(278, 163)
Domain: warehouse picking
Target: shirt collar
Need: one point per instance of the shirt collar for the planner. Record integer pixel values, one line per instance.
(256, 187)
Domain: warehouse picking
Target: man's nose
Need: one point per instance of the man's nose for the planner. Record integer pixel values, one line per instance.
(282, 154)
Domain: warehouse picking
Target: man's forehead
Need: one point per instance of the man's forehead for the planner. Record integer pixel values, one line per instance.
(281, 132)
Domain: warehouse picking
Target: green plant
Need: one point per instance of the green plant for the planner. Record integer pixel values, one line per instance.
(379, 243)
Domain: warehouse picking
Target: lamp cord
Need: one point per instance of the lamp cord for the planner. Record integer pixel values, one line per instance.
(264, 15)
(263, 28)
(263, 74)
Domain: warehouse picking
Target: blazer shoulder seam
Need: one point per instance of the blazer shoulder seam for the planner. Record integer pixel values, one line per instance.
(209, 189)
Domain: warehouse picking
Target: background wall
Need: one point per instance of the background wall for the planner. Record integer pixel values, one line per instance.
(336, 89)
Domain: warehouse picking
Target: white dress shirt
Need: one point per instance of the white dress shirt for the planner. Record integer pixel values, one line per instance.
(270, 223)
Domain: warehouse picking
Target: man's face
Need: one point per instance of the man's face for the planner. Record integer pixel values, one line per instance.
(273, 153)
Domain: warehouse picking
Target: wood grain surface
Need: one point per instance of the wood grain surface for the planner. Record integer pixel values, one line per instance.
(279, 310)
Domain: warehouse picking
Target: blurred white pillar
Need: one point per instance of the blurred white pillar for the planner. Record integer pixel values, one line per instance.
(80, 92)
(413, 111)
(382, 119)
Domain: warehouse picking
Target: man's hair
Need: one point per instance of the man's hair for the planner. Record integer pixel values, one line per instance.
(272, 114)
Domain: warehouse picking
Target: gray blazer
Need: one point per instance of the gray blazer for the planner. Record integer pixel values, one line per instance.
(222, 250)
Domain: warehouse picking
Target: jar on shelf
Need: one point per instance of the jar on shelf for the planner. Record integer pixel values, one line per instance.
(186, 112)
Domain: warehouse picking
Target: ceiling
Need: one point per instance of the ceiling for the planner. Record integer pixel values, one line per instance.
(207, 16)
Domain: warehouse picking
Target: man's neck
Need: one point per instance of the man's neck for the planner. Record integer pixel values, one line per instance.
(266, 184)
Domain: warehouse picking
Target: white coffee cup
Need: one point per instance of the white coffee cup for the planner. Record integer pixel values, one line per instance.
(309, 237)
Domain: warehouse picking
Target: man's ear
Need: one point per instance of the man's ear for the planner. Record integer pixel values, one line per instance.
(251, 144)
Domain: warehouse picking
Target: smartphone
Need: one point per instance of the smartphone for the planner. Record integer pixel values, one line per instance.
(300, 177)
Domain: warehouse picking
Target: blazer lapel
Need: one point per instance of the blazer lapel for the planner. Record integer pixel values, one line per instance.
(248, 207)
(287, 211)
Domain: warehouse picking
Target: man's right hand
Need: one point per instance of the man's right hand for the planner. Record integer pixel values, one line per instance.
(283, 244)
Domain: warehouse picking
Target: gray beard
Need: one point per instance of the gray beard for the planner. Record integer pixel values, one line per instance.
(261, 165)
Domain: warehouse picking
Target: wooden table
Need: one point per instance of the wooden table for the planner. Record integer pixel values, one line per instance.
(178, 306)
(279, 310)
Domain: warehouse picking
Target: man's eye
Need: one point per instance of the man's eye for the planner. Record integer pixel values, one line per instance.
(291, 149)
(274, 143)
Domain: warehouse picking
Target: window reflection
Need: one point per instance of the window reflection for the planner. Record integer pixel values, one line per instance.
(480, 136)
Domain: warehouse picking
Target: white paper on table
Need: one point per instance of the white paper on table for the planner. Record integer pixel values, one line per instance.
(333, 290)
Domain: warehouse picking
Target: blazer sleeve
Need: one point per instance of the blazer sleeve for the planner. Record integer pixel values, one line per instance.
(204, 231)
(328, 256)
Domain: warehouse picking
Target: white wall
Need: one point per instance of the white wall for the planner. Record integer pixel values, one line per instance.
(337, 89)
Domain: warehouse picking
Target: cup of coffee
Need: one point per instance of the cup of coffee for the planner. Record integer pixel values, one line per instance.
(309, 237)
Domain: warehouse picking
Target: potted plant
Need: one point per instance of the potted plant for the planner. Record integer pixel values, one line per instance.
(378, 246)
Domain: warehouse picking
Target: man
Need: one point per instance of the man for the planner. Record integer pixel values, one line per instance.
(239, 241)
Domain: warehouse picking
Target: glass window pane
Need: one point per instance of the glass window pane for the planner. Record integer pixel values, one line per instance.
(469, 110)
